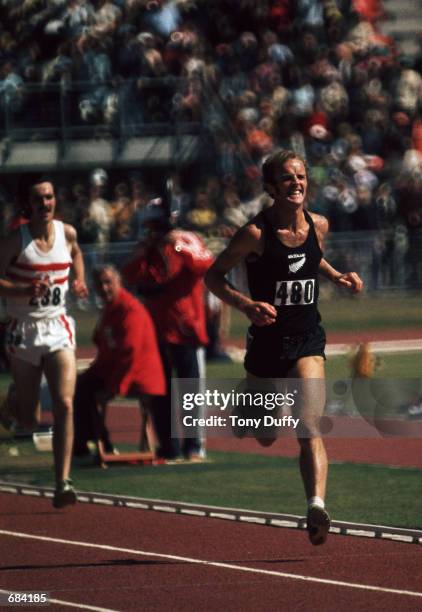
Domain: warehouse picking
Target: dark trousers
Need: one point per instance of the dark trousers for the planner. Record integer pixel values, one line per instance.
(183, 360)
(88, 423)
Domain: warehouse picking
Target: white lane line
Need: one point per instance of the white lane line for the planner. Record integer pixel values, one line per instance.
(239, 568)
(335, 349)
(70, 604)
(79, 605)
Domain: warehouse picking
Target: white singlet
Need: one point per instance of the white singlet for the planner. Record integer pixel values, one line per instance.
(32, 263)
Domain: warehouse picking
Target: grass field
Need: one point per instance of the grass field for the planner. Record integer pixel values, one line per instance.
(389, 365)
(371, 494)
(339, 313)
(347, 313)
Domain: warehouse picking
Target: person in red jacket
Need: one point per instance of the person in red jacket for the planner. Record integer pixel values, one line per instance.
(127, 363)
(167, 269)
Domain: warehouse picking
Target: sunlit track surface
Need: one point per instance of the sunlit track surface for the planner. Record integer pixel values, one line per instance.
(112, 558)
(290, 521)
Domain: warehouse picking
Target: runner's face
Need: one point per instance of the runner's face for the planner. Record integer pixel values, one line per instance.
(107, 285)
(291, 182)
(42, 202)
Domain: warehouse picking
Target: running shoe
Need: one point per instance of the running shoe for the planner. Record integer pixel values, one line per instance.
(64, 495)
(318, 525)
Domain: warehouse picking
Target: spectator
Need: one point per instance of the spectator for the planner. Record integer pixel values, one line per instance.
(232, 214)
(162, 17)
(123, 221)
(202, 216)
(179, 200)
(98, 211)
(254, 199)
(95, 68)
(127, 361)
(107, 17)
(12, 89)
(137, 189)
(167, 269)
(121, 196)
(409, 91)
(78, 17)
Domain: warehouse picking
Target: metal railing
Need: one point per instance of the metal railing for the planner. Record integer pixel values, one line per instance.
(386, 260)
(117, 108)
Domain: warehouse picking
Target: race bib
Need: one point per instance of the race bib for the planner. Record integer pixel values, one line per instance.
(52, 297)
(293, 293)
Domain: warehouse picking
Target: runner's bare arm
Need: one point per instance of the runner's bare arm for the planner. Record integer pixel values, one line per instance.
(9, 250)
(349, 280)
(245, 242)
(79, 287)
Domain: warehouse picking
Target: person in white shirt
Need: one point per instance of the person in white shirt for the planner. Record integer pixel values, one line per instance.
(35, 263)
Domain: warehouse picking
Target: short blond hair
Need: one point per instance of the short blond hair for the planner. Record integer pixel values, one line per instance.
(276, 160)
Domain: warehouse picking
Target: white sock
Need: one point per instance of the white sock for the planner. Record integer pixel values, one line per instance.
(316, 501)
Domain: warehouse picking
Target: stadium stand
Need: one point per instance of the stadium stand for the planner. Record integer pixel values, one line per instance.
(206, 90)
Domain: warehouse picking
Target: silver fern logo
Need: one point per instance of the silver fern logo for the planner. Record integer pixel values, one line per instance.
(299, 262)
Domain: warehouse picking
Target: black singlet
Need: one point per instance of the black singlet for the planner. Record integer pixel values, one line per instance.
(286, 277)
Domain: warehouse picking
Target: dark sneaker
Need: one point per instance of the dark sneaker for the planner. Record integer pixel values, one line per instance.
(318, 525)
(64, 495)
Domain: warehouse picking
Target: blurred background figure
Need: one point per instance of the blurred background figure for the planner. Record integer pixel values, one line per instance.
(167, 270)
(127, 363)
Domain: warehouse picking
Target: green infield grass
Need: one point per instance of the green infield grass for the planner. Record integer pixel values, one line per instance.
(345, 312)
(388, 365)
(356, 492)
(340, 312)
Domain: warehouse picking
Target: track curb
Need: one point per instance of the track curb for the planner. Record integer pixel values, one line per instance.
(290, 521)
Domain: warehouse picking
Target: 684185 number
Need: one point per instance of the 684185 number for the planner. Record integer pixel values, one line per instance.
(22, 598)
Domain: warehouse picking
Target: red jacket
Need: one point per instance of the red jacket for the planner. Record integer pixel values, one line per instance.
(127, 350)
(172, 276)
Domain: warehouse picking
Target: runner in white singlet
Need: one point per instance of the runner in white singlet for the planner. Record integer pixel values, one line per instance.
(35, 262)
(39, 325)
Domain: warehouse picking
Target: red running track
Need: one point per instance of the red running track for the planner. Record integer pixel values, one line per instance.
(159, 562)
(124, 424)
(396, 452)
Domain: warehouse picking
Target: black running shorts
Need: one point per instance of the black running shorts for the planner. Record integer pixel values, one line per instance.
(275, 358)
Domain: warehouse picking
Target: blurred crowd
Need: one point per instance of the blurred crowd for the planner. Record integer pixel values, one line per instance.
(313, 75)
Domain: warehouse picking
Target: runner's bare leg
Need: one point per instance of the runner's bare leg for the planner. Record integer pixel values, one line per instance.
(313, 456)
(60, 371)
(23, 394)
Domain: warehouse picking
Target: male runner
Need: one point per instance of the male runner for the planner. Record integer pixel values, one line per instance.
(35, 261)
(282, 250)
